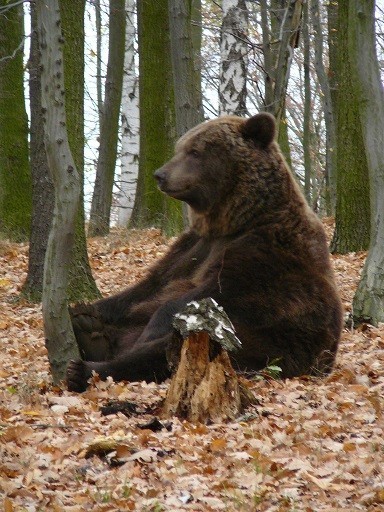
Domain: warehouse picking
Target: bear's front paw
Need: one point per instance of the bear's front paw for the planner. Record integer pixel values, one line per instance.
(78, 373)
(85, 318)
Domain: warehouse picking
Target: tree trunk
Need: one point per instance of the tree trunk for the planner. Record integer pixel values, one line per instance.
(157, 119)
(81, 284)
(60, 339)
(196, 35)
(186, 79)
(368, 303)
(43, 197)
(204, 387)
(307, 128)
(233, 58)
(330, 129)
(109, 123)
(280, 33)
(15, 179)
(352, 226)
(129, 122)
(186, 70)
(279, 43)
(99, 81)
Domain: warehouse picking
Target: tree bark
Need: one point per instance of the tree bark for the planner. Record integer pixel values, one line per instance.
(368, 303)
(60, 339)
(286, 28)
(186, 79)
(15, 179)
(204, 387)
(280, 34)
(129, 122)
(330, 129)
(109, 123)
(157, 119)
(99, 81)
(81, 284)
(43, 196)
(233, 58)
(186, 73)
(307, 138)
(352, 225)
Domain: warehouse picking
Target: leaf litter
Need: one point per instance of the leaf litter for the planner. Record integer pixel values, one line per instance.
(311, 444)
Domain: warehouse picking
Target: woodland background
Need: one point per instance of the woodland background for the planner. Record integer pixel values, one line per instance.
(107, 88)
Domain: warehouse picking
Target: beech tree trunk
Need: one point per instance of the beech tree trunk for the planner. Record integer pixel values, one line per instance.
(82, 285)
(280, 35)
(233, 58)
(368, 302)
(109, 123)
(330, 129)
(278, 53)
(15, 179)
(352, 219)
(129, 122)
(307, 128)
(186, 78)
(60, 339)
(99, 80)
(43, 197)
(157, 119)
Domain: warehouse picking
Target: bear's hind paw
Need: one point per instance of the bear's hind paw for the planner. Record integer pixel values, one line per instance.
(78, 374)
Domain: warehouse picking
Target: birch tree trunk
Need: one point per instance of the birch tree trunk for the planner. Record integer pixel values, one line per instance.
(234, 58)
(60, 339)
(109, 123)
(368, 302)
(129, 122)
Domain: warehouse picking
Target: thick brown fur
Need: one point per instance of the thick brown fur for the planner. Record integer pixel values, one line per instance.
(254, 246)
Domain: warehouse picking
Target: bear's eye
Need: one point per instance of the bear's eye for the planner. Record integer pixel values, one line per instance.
(194, 153)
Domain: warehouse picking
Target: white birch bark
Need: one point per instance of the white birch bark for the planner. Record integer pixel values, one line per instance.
(234, 58)
(60, 339)
(129, 159)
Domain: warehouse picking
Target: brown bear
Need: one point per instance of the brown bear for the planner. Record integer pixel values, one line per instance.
(254, 246)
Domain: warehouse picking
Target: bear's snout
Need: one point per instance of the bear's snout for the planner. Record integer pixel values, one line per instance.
(161, 177)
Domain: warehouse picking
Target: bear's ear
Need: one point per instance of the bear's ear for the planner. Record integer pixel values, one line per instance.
(261, 128)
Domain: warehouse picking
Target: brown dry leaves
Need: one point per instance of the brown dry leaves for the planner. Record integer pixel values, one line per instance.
(311, 444)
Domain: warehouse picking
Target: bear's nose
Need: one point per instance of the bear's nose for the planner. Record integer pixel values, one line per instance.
(160, 176)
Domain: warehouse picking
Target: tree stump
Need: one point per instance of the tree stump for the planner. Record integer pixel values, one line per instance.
(204, 387)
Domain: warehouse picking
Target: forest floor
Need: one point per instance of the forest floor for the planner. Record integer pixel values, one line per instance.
(310, 444)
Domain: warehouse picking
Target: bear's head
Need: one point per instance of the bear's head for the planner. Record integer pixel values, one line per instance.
(222, 165)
